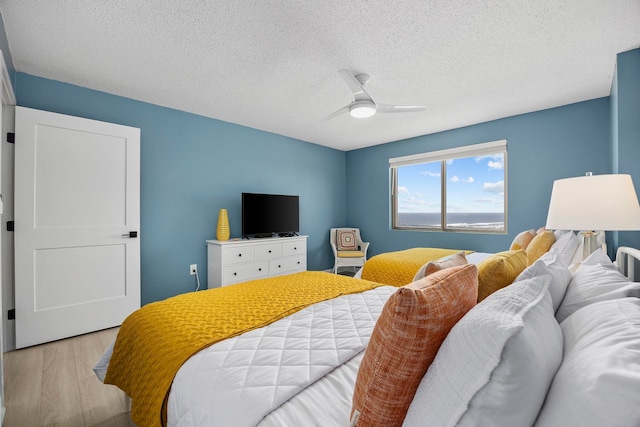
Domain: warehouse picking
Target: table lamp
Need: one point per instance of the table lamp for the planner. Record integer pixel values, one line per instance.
(594, 202)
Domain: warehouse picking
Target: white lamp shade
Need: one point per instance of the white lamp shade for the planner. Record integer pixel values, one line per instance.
(598, 202)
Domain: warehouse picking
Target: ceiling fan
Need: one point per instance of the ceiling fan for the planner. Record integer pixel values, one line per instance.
(363, 105)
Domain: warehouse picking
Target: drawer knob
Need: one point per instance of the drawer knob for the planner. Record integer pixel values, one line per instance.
(240, 255)
(259, 269)
(279, 266)
(235, 274)
(298, 262)
(269, 251)
(295, 248)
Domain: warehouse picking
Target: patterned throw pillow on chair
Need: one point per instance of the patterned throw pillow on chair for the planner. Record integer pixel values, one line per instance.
(346, 240)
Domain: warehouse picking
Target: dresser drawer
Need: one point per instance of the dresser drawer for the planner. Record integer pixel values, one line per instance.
(241, 272)
(287, 265)
(236, 255)
(265, 252)
(231, 262)
(294, 248)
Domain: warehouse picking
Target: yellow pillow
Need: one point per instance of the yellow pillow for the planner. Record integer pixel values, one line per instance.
(540, 245)
(499, 270)
(522, 240)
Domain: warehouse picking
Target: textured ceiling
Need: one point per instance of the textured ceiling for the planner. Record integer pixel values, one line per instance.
(273, 65)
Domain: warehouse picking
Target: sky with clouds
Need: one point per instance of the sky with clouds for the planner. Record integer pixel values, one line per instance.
(474, 184)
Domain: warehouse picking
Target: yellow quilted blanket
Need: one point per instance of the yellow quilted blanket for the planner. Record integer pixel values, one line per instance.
(398, 268)
(156, 340)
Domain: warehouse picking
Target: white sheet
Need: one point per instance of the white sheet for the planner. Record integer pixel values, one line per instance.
(240, 380)
(326, 403)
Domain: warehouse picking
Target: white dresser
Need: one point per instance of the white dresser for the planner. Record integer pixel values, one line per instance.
(233, 261)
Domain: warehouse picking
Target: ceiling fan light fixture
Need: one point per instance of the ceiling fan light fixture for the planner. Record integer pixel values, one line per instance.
(362, 109)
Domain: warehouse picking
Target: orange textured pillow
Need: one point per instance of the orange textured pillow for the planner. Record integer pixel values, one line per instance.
(413, 323)
(540, 245)
(500, 270)
(454, 260)
(522, 240)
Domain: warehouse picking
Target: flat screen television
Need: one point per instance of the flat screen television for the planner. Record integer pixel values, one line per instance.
(266, 215)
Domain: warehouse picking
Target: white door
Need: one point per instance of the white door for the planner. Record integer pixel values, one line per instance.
(77, 199)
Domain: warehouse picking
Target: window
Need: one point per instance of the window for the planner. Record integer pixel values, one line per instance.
(461, 189)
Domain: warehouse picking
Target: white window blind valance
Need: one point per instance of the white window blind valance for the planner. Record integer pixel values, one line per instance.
(476, 150)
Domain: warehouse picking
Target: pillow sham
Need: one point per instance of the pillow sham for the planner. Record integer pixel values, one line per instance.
(496, 364)
(599, 257)
(522, 240)
(454, 260)
(566, 245)
(552, 264)
(499, 270)
(413, 323)
(578, 257)
(346, 240)
(598, 381)
(593, 283)
(540, 245)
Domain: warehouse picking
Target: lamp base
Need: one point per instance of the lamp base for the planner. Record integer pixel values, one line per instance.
(589, 243)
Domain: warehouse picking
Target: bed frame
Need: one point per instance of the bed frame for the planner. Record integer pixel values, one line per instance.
(626, 259)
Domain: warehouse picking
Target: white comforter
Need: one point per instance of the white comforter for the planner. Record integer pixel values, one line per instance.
(242, 380)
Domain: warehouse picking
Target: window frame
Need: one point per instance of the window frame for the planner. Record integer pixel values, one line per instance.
(476, 150)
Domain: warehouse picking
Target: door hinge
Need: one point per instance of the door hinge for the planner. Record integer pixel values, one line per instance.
(11, 314)
(10, 226)
(11, 137)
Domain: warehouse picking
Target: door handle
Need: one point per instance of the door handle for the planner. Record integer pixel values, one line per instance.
(132, 234)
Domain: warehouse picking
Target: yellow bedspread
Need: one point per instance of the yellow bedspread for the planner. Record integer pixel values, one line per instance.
(156, 340)
(398, 268)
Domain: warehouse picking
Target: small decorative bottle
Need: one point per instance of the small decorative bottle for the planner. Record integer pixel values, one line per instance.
(222, 232)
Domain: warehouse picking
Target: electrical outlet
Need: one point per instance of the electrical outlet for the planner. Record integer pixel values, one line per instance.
(193, 269)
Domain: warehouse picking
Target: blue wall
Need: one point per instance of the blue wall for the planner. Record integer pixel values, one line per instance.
(192, 166)
(541, 147)
(625, 128)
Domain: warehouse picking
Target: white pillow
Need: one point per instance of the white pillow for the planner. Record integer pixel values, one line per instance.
(599, 257)
(593, 283)
(578, 257)
(552, 264)
(598, 383)
(566, 245)
(496, 364)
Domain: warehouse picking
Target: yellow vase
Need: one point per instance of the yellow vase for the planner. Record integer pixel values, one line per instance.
(222, 232)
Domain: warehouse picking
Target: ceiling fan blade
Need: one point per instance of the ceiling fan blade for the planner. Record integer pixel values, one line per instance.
(384, 108)
(355, 86)
(341, 111)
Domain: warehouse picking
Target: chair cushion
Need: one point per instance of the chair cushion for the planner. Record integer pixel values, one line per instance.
(346, 240)
(350, 254)
(413, 323)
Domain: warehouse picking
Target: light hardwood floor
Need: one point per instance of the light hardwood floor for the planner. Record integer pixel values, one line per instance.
(53, 385)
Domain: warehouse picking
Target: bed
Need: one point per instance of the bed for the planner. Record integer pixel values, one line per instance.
(302, 361)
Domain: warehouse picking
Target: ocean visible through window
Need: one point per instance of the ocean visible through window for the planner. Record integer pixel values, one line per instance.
(466, 220)
(465, 186)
